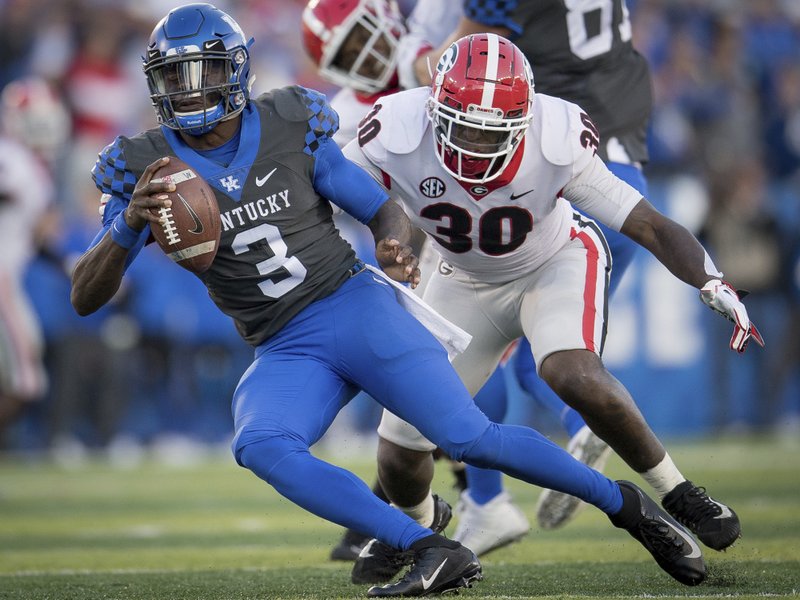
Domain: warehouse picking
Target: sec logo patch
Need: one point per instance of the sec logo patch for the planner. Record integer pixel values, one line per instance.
(432, 187)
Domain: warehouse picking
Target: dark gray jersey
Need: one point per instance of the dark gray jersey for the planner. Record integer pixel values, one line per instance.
(581, 51)
(279, 249)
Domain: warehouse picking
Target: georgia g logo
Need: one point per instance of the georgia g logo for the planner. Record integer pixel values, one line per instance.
(448, 59)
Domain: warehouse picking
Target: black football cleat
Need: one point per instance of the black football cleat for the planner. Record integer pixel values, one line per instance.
(349, 546)
(379, 562)
(673, 548)
(438, 566)
(715, 524)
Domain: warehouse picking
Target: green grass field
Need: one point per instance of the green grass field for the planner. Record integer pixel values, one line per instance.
(213, 531)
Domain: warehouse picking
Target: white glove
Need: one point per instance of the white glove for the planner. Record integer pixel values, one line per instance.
(722, 298)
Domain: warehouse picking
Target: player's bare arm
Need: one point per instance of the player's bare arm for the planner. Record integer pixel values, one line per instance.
(465, 27)
(97, 276)
(98, 273)
(682, 254)
(669, 242)
(392, 231)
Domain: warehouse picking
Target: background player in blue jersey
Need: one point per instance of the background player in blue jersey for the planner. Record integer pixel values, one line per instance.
(580, 51)
(322, 325)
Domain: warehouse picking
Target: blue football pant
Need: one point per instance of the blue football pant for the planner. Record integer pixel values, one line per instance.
(359, 337)
(483, 485)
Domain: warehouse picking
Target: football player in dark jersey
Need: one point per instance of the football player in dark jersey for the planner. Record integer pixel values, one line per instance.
(322, 325)
(580, 51)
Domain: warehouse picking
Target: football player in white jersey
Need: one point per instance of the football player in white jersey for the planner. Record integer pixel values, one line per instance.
(29, 124)
(596, 67)
(356, 45)
(491, 172)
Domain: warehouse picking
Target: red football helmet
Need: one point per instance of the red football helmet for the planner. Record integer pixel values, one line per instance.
(480, 106)
(32, 111)
(365, 60)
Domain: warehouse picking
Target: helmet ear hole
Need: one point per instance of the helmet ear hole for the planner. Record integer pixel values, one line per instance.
(480, 105)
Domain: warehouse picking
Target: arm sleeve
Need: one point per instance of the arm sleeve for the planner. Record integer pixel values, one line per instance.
(346, 184)
(116, 182)
(601, 194)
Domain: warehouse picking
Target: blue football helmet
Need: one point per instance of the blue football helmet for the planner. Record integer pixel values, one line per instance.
(198, 68)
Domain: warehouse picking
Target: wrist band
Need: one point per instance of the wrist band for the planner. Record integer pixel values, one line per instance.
(122, 234)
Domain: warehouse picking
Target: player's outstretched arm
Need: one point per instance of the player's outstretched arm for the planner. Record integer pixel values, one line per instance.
(685, 257)
(98, 273)
(392, 231)
(670, 243)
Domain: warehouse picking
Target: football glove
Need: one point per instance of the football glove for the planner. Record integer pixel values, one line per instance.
(725, 300)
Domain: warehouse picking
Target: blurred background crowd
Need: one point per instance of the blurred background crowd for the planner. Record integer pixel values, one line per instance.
(156, 369)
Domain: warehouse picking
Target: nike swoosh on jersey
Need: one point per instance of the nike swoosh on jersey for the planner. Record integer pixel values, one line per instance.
(379, 280)
(687, 538)
(262, 180)
(426, 583)
(516, 196)
(198, 224)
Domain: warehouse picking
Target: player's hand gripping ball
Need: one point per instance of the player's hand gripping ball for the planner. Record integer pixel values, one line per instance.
(190, 229)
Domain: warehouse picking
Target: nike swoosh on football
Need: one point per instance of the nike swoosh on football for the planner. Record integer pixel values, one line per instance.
(262, 180)
(687, 538)
(515, 196)
(426, 583)
(198, 224)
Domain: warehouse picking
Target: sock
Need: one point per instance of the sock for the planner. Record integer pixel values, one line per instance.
(432, 541)
(422, 513)
(483, 484)
(626, 518)
(572, 421)
(663, 477)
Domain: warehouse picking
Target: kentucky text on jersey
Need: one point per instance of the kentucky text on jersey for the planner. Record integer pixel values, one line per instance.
(252, 211)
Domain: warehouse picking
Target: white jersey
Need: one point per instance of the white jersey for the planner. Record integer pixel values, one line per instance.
(26, 189)
(496, 234)
(25, 193)
(428, 25)
(351, 108)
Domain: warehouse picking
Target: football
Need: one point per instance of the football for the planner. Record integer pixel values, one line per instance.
(190, 229)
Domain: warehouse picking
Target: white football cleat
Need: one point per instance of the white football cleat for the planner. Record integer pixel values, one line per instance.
(486, 527)
(555, 509)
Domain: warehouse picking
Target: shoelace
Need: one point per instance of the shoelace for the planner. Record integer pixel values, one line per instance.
(695, 507)
(662, 539)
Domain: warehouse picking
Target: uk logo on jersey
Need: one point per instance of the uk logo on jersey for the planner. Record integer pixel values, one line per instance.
(432, 187)
(230, 183)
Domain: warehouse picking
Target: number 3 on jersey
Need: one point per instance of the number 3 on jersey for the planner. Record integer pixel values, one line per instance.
(281, 273)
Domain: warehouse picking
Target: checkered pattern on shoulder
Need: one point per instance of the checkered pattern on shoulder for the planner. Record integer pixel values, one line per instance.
(494, 13)
(110, 174)
(323, 121)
